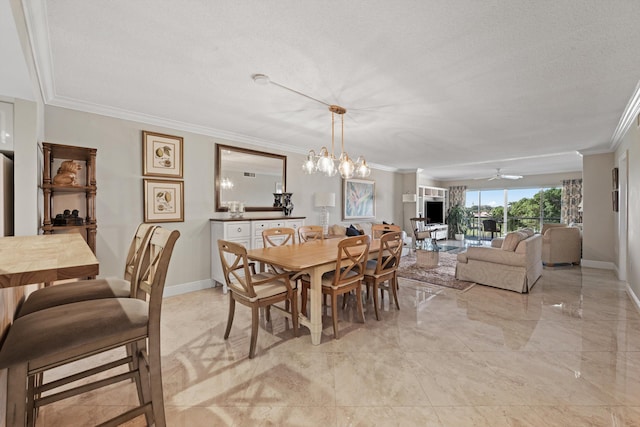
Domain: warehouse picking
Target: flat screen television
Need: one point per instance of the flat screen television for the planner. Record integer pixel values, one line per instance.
(434, 211)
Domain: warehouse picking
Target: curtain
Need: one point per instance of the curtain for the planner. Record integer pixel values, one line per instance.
(571, 201)
(457, 195)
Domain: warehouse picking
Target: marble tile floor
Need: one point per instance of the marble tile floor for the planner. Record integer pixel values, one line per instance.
(567, 354)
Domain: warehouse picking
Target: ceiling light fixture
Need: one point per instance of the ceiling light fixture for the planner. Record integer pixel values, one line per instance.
(325, 161)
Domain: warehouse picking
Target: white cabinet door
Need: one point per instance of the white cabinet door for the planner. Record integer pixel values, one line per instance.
(235, 231)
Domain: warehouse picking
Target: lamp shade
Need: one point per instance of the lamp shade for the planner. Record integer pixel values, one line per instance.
(406, 198)
(323, 199)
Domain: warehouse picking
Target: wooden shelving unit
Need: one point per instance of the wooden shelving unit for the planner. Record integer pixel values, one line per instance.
(85, 189)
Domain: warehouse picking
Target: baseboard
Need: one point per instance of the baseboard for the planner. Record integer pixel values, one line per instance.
(170, 291)
(602, 265)
(633, 297)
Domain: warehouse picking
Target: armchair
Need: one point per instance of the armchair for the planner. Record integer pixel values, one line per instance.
(561, 245)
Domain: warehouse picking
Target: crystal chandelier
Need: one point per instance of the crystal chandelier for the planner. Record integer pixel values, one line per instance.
(325, 161)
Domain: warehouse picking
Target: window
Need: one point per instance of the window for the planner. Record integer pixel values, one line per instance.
(515, 207)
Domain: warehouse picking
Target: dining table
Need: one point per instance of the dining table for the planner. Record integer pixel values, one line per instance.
(313, 258)
(45, 258)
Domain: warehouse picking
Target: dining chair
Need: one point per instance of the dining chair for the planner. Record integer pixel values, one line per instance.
(278, 236)
(57, 336)
(84, 290)
(384, 268)
(347, 276)
(377, 230)
(490, 226)
(308, 233)
(420, 231)
(254, 290)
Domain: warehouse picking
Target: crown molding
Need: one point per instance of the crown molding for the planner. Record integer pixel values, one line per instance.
(629, 115)
(74, 104)
(35, 13)
(592, 151)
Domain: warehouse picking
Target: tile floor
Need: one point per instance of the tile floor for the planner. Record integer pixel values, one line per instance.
(567, 354)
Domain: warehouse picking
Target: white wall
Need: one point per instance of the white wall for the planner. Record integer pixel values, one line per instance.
(631, 145)
(597, 218)
(119, 205)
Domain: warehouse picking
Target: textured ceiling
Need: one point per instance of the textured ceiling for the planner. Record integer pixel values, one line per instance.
(457, 88)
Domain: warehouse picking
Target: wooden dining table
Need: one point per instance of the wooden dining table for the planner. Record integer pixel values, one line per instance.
(46, 258)
(313, 258)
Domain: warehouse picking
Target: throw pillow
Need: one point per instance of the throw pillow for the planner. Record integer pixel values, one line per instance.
(511, 241)
(338, 230)
(352, 231)
(364, 227)
(528, 231)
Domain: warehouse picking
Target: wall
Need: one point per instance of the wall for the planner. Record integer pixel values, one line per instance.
(597, 218)
(119, 205)
(631, 145)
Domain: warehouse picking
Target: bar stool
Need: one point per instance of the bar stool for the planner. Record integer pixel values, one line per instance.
(85, 290)
(57, 336)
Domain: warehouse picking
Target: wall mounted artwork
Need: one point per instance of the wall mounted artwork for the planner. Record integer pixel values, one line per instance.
(358, 199)
(161, 155)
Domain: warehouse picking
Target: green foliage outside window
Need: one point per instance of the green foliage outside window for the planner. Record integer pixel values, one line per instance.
(527, 212)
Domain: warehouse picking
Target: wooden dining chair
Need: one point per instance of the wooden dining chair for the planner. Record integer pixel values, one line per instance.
(308, 233)
(377, 230)
(254, 290)
(84, 290)
(384, 268)
(278, 236)
(57, 336)
(347, 277)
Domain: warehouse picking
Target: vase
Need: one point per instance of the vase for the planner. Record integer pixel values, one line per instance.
(287, 204)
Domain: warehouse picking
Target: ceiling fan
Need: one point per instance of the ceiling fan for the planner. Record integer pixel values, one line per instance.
(499, 175)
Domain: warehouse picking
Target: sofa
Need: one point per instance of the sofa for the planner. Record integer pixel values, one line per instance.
(561, 245)
(338, 230)
(513, 262)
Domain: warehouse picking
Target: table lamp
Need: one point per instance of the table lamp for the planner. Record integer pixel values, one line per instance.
(325, 200)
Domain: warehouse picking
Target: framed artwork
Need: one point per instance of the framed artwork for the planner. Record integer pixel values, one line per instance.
(358, 199)
(161, 155)
(614, 200)
(614, 178)
(163, 200)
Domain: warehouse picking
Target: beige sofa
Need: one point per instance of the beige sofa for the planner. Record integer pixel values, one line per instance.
(561, 245)
(513, 263)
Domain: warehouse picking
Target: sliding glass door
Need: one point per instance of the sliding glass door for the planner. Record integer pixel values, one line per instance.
(511, 209)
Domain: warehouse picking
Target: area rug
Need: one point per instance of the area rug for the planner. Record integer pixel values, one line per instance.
(442, 275)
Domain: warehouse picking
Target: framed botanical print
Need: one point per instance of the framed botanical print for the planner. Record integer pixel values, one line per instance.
(161, 155)
(163, 200)
(358, 199)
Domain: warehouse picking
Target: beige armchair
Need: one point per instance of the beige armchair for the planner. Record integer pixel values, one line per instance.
(561, 245)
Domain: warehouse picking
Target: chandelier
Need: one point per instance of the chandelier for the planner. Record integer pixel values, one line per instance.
(325, 161)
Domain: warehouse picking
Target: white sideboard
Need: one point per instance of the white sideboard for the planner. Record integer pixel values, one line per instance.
(247, 232)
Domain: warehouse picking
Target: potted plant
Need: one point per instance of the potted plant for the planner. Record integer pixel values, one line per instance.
(457, 220)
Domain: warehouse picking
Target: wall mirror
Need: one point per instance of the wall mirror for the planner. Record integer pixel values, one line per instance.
(248, 176)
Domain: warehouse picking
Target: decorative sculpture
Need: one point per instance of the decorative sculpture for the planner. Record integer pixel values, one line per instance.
(67, 173)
